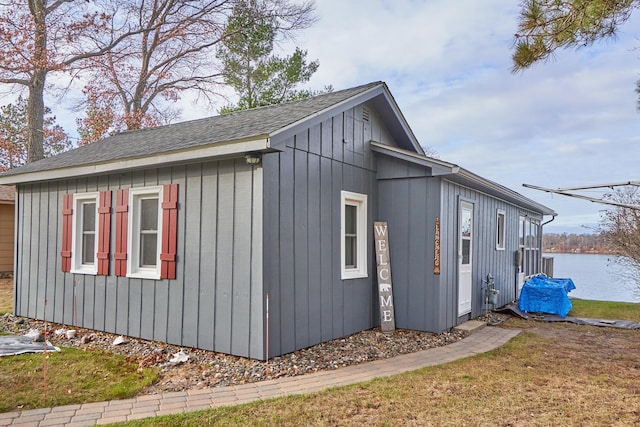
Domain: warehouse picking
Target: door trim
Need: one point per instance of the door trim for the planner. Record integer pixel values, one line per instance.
(465, 256)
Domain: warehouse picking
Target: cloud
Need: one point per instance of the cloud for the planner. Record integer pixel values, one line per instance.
(570, 121)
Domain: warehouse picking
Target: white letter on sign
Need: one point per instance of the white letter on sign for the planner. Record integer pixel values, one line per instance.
(385, 290)
(386, 302)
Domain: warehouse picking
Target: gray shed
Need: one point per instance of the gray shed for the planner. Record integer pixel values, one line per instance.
(224, 232)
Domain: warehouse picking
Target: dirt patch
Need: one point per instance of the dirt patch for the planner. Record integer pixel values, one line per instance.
(6, 295)
(595, 347)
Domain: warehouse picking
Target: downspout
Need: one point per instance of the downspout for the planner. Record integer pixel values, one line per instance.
(541, 233)
(551, 220)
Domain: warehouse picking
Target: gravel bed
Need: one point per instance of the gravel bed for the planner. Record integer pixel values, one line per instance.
(205, 369)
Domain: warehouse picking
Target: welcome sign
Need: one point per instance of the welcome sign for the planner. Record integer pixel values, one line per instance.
(385, 290)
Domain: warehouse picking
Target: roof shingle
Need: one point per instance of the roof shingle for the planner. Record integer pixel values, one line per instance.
(257, 122)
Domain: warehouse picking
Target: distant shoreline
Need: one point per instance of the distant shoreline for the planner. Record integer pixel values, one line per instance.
(578, 252)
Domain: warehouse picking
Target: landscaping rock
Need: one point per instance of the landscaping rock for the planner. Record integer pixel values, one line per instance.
(120, 340)
(204, 369)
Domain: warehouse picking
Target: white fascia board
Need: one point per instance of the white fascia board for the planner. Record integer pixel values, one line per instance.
(215, 150)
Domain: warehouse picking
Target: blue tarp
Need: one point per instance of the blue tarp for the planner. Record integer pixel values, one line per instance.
(542, 294)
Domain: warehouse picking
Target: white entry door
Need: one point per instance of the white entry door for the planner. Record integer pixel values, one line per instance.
(465, 257)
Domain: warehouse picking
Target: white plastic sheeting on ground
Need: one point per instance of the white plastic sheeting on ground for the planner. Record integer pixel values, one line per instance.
(12, 345)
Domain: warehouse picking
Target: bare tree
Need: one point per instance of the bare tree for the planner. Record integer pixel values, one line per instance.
(138, 50)
(174, 51)
(39, 37)
(620, 225)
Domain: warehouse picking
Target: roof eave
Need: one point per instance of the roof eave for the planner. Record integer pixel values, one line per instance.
(503, 192)
(217, 150)
(357, 99)
(438, 167)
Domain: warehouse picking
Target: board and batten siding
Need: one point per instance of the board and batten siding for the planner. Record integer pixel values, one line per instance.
(214, 303)
(411, 244)
(7, 212)
(486, 258)
(308, 301)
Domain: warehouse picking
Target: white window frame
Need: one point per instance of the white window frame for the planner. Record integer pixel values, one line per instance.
(134, 270)
(501, 233)
(358, 200)
(79, 199)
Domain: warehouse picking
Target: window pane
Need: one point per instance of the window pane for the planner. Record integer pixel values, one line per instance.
(149, 214)
(350, 252)
(466, 251)
(88, 217)
(500, 230)
(88, 248)
(350, 219)
(350, 236)
(148, 249)
(466, 222)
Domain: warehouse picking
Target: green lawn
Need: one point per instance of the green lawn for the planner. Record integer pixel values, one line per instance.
(551, 374)
(72, 376)
(605, 310)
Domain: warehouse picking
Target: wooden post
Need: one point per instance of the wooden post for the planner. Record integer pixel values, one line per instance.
(385, 290)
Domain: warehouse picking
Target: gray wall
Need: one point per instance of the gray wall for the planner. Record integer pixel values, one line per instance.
(309, 303)
(486, 259)
(424, 300)
(216, 300)
(411, 240)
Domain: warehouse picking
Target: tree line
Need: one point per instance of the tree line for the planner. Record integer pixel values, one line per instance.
(135, 59)
(576, 243)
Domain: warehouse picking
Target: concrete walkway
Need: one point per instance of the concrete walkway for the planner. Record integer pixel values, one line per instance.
(84, 414)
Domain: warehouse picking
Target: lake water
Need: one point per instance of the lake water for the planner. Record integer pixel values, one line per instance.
(597, 277)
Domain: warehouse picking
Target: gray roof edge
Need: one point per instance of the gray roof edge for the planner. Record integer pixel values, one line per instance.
(352, 100)
(403, 121)
(378, 88)
(506, 192)
(412, 157)
(452, 170)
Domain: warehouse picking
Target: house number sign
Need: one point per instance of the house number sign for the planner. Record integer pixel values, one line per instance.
(385, 291)
(436, 244)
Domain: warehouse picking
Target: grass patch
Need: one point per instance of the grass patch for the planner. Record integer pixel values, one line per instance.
(538, 379)
(605, 310)
(73, 376)
(6, 296)
(551, 374)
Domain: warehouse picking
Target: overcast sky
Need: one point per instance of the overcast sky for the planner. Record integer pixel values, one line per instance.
(568, 122)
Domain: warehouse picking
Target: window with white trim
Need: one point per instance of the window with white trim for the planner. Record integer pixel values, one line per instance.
(500, 229)
(353, 235)
(85, 237)
(145, 225)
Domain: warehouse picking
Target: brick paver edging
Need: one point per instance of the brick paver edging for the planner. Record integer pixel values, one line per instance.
(113, 411)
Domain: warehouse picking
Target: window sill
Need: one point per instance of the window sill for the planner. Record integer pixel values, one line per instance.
(151, 274)
(86, 270)
(353, 274)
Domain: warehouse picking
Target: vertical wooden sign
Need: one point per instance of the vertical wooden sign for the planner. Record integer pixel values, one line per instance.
(385, 290)
(436, 244)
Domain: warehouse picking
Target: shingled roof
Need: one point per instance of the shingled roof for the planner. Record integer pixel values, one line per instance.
(242, 125)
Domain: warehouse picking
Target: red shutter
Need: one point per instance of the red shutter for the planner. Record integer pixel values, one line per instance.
(122, 225)
(169, 231)
(104, 232)
(67, 231)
